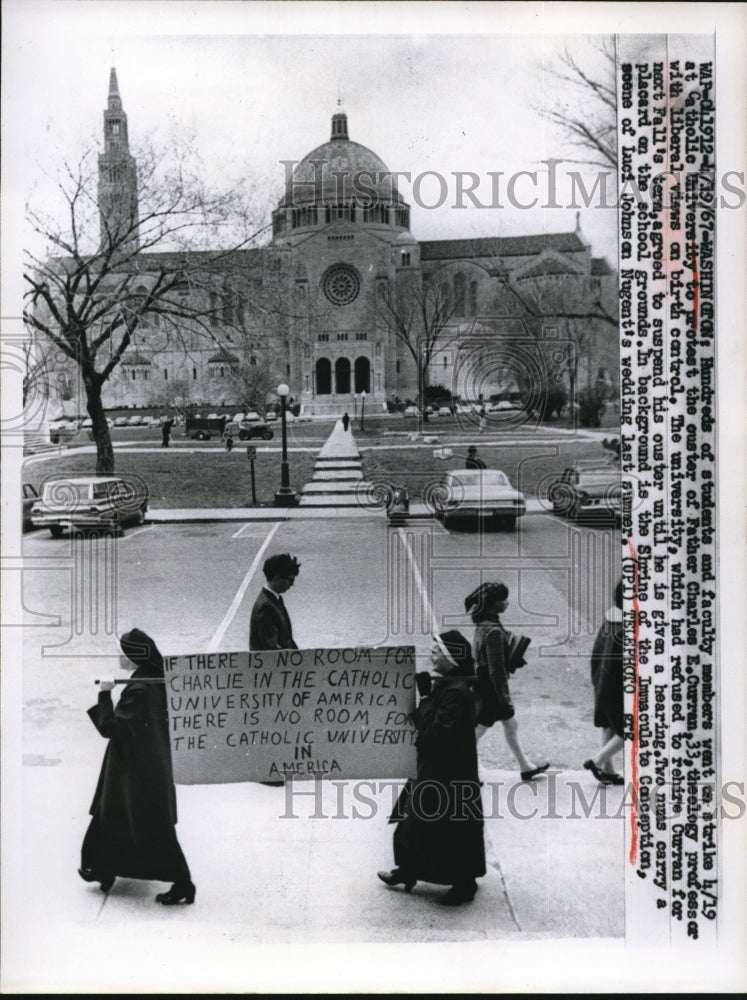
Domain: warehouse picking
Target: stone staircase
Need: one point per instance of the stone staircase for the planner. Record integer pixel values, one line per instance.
(338, 478)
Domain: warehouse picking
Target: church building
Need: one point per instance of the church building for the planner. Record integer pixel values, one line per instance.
(327, 303)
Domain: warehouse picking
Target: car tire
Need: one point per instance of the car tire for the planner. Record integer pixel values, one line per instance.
(56, 530)
(268, 435)
(244, 435)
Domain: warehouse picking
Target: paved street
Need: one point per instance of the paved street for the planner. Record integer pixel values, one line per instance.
(555, 866)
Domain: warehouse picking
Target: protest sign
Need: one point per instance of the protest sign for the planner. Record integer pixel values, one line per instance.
(339, 713)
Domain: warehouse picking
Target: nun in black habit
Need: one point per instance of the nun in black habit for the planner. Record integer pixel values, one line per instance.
(132, 832)
(440, 838)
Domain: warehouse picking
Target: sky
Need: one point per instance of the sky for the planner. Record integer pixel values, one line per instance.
(256, 91)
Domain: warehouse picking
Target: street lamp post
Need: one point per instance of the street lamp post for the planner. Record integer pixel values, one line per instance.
(284, 497)
(363, 405)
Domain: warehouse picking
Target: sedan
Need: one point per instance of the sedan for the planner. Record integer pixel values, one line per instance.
(90, 502)
(587, 491)
(479, 493)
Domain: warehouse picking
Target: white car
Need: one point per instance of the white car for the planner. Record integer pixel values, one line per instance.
(411, 411)
(444, 411)
(270, 415)
(90, 502)
(478, 493)
(120, 421)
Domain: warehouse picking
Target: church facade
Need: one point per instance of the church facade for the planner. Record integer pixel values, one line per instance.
(331, 304)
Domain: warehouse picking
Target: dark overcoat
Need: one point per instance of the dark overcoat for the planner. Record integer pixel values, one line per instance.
(440, 838)
(132, 832)
(491, 653)
(607, 674)
(270, 624)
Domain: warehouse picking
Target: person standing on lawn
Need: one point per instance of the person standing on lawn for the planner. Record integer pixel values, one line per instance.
(473, 462)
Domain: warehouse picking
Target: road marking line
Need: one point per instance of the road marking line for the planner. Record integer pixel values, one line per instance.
(418, 579)
(242, 529)
(230, 614)
(132, 534)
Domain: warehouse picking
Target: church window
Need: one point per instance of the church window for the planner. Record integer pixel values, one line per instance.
(194, 373)
(473, 298)
(459, 290)
(213, 308)
(341, 284)
(134, 374)
(402, 216)
(446, 361)
(405, 258)
(361, 335)
(227, 307)
(115, 128)
(445, 297)
(323, 337)
(166, 374)
(239, 310)
(253, 360)
(342, 336)
(399, 367)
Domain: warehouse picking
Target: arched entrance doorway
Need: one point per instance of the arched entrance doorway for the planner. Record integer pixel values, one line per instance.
(323, 377)
(362, 375)
(342, 376)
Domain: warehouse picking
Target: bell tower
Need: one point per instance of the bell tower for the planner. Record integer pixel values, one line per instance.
(117, 194)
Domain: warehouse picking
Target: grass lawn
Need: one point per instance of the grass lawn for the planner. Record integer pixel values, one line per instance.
(178, 478)
(529, 468)
(212, 477)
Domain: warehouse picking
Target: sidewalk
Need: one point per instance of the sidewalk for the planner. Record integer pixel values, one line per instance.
(165, 515)
(263, 879)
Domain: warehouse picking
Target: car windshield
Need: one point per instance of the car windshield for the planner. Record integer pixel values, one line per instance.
(476, 477)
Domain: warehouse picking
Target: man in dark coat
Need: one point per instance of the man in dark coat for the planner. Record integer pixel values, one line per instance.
(440, 839)
(473, 462)
(345, 421)
(132, 832)
(166, 431)
(270, 624)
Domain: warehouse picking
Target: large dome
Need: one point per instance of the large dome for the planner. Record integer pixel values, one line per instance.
(340, 179)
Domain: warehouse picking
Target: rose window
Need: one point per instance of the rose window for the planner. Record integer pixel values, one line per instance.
(341, 285)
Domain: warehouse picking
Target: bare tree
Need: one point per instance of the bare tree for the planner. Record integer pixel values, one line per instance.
(419, 315)
(95, 282)
(584, 105)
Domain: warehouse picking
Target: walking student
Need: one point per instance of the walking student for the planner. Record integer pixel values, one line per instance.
(132, 832)
(607, 680)
(270, 624)
(494, 704)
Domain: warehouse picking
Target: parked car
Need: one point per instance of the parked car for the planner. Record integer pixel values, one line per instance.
(120, 421)
(203, 428)
(270, 415)
(479, 493)
(29, 497)
(411, 411)
(90, 502)
(444, 411)
(247, 430)
(587, 490)
(63, 429)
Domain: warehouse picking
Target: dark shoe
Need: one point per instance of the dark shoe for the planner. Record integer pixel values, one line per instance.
(177, 894)
(459, 894)
(89, 875)
(614, 779)
(529, 775)
(602, 776)
(397, 877)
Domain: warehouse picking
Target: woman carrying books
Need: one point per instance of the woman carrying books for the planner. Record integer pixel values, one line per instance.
(495, 658)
